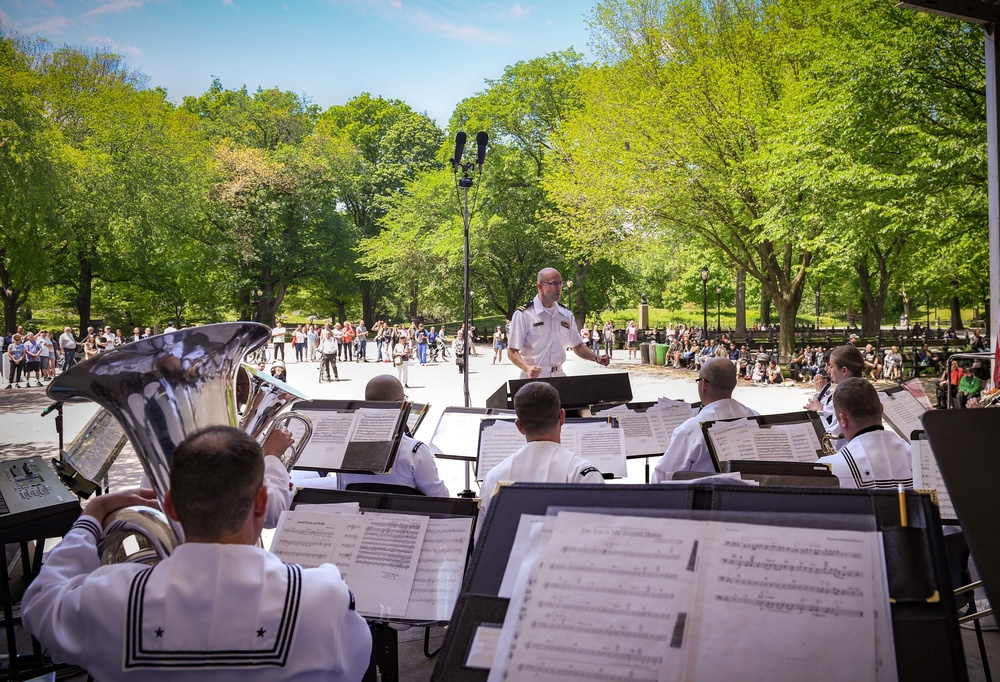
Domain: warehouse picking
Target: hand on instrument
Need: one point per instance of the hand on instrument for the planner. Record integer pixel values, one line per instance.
(814, 405)
(102, 505)
(280, 440)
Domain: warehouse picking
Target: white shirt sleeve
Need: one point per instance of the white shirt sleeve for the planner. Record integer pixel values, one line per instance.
(279, 493)
(425, 474)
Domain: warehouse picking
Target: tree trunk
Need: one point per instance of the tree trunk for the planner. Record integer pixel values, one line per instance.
(341, 315)
(907, 305)
(84, 292)
(367, 303)
(956, 314)
(873, 298)
(414, 291)
(787, 309)
(11, 304)
(765, 308)
(741, 301)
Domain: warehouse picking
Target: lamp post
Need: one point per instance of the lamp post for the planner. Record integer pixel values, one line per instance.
(718, 308)
(704, 300)
(927, 295)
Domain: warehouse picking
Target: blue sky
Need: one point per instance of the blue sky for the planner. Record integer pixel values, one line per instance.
(429, 53)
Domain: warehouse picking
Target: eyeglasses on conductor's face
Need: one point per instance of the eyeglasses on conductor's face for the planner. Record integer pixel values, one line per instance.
(557, 284)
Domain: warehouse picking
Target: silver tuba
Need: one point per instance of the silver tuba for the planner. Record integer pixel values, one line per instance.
(161, 389)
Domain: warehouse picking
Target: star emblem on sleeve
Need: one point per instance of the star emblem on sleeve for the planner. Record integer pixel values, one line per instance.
(260, 632)
(159, 633)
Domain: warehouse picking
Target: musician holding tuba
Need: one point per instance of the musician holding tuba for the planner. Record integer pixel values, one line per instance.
(218, 607)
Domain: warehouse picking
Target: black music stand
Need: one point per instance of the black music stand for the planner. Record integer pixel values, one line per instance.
(964, 444)
(765, 420)
(575, 393)
(361, 457)
(927, 641)
(385, 644)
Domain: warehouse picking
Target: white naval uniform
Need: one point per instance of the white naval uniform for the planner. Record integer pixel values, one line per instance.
(540, 461)
(208, 611)
(414, 466)
(541, 335)
(874, 458)
(687, 450)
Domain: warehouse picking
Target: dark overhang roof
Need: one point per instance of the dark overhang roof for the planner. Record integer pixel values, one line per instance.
(975, 11)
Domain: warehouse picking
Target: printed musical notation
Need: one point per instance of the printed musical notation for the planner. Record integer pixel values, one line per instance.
(738, 601)
(399, 566)
(649, 432)
(902, 411)
(334, 431)
(927, 476)
(789, 442)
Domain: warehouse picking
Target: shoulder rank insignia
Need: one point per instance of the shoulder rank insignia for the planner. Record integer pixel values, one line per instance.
(590, 470)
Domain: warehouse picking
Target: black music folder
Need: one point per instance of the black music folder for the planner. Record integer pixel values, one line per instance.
(353, 436)
(964, 443)
(790, 436)
(925, 633)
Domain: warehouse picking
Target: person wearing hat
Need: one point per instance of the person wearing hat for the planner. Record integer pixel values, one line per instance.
(278, 371)
(968, 387)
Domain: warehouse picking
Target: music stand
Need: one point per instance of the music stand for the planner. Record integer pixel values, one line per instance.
(339, 447)
(575, 392)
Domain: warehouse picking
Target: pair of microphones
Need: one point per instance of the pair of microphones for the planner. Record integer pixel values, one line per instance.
(482, 139)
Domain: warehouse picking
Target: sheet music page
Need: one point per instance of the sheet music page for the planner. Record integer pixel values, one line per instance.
(307, 538)
(331, 433)
(782, 603)
(733, 442)
(649, 432)
(664, 403)
(885, 644)
(599, 444)
(518, 553)
(608, 598)
(796, 442)
(373, 425)
(902, 411)
(497, 442)
(672, 417)
(440, 569)
(927, 476)
(385, 562)
(332, 508)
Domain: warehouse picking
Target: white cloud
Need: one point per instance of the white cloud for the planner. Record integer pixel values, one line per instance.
(517, 11)
(427, 22)
(105, 6)
(53, 25)
(130, 50)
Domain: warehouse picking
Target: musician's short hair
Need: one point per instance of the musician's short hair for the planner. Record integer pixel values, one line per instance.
(214, 477)
(538, 407)
(850, 358)
(720, 373)
(858, 399)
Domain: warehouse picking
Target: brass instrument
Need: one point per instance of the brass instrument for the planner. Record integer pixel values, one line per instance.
(266, 410)
(828, 443)
(161, 390)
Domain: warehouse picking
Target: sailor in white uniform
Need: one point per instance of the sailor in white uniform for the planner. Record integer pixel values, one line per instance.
(542, 329)
(542, 459)
(687, 450)
(873, 457)
(414, 464)
(218, 608)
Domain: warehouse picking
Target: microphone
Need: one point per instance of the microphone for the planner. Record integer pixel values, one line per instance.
(459, 149)
(482, 139)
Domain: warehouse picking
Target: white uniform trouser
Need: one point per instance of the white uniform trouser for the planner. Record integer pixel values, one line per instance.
(404, 372)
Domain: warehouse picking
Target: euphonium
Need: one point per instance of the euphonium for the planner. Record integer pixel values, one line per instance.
(162, 389)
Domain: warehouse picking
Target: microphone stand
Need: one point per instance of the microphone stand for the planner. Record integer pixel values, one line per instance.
(464, 183)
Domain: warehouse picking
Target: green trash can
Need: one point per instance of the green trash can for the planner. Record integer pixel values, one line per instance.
(661, 354)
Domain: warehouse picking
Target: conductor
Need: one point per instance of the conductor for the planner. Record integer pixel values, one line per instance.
(543, 328)
(687, 450)
(218, 608)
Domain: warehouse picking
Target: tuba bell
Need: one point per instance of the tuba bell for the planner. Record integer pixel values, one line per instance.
(267, 408)
(161, 390)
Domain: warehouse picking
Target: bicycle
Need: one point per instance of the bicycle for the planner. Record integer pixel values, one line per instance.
(258, 356)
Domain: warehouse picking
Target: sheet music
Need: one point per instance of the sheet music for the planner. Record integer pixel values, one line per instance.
(386, 563)
(927, 476)
(625, 598)
(776, 599)
(457, 433)
(664, 403)
(484, 647)
(791, 442)
(497, 442)
(902, 411)
(608, 598)
(649, 432)
(376, 553)
(374, 425)
(518, 553)
(328, 445)
(440, 569)
(599, 444)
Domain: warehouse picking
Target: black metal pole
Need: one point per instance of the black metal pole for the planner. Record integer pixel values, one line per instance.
(704, 305)
(465, 317)
(927, 293)
(718, 309)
